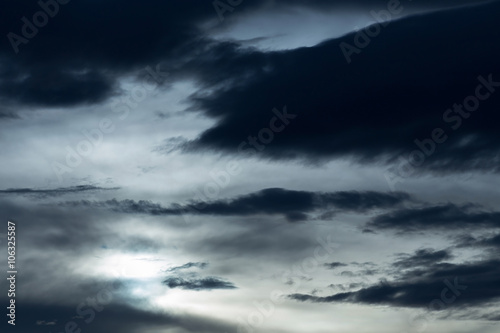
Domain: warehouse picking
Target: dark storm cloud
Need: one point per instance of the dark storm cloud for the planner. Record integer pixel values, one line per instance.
(188, 265)
(448, 216)
(77, 55)
(202, 283)
(398, 89)
(44, 193)
(467, 284)
(293, 204)
(423, 257)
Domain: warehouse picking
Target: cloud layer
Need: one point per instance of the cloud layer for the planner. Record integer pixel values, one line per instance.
(294, 205)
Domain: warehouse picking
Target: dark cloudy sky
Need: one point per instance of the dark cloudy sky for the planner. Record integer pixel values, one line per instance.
(252, 166)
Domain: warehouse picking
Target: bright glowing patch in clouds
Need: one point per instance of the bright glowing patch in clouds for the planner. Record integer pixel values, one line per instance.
(131, 266)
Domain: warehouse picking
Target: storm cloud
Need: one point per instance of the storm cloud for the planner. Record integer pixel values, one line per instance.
(294, 205)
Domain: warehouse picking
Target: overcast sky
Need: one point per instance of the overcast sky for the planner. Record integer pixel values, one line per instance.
(251, 166)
